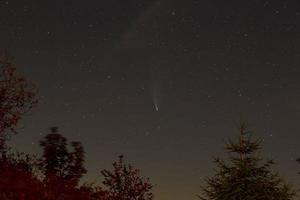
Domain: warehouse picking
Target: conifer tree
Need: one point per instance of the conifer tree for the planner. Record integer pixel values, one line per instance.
(245, 176)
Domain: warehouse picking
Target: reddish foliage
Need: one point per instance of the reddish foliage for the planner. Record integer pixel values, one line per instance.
(125, 183)
(17, 97)
(17, 180)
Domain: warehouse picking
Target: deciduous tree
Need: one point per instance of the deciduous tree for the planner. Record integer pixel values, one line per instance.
(125, 183)
(17, 97)
(62, 169)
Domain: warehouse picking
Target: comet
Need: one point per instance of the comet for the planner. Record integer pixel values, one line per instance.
(156, 104)
(156, 89)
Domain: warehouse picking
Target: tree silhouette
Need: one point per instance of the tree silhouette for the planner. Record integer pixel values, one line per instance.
(55, 154)
(125, 183)
(245, 176)
(62, 169)
(76, 160)
(17, 97)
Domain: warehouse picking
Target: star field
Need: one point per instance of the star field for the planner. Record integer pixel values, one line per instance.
(99, 65)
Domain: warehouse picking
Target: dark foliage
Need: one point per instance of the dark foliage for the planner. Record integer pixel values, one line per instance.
(62, 169)
(245, 176)
(17, 97)
(18, 179)
(125, 183)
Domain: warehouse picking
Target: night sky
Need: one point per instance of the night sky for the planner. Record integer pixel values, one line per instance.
(163, 82)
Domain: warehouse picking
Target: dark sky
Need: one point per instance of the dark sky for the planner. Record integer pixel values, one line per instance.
(103, 67)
